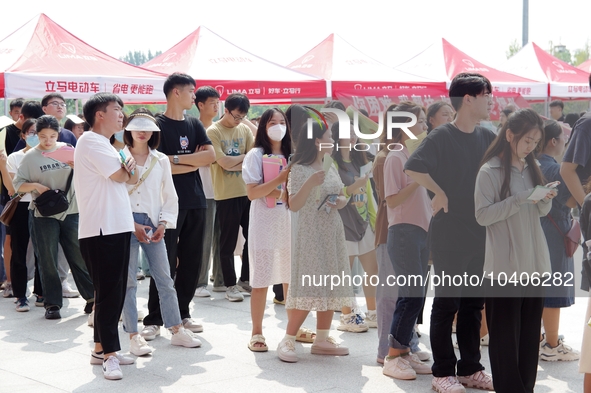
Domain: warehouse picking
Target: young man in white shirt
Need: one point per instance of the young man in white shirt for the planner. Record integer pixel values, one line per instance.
(106, 223)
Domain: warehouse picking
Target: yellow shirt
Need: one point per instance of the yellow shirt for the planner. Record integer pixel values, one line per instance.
(228, 142)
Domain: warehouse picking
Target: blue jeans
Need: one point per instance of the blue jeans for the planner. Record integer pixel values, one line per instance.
(409, 254)
(47, 233)
(160, 271)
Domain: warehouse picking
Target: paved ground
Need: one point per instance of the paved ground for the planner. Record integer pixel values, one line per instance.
(38, 355)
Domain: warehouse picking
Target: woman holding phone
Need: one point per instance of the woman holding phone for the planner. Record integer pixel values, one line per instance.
(269, 240)
(154, 204)
(516, 249)
(318, 246)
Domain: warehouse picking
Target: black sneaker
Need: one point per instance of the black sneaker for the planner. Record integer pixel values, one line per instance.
(88, 307)
(52, 312)
(39, 301)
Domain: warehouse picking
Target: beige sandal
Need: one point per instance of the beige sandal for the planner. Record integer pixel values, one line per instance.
(305, 335)
(258, 339)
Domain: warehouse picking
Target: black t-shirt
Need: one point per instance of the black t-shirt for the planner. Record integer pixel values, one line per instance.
(13, 136)
(178, 138)
(452, 159)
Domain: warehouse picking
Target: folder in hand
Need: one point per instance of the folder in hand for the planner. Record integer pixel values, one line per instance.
(272, 165)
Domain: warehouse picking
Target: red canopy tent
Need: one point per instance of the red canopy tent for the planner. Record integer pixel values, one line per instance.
(585, 66)
(337, 61)
(214, 61)
(564, 80)
(41, 57)
(442, 61)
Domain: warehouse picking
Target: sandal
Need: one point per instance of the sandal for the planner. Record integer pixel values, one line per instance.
(305, 335)
(258, 339)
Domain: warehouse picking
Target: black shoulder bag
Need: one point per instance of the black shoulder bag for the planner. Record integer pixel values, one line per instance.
(53, 202)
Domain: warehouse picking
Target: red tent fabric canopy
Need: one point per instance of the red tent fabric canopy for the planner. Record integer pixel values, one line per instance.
(585, 66)
(42, 57)
(212, 60)
(337, 61)
(443, 61)
(564, 80)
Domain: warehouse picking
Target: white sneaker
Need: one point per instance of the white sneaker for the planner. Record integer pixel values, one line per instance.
(416, 364)
(244, 287)
(150, 332)
(138, 346)
(111, 369)
(90, 321)
(478, 380)
(191, 325)
(202, 292)
(484, 340)
(233, 294)
(68, 291)
(328, 347)
(286, 351)
(447, 385)
(371, 319)
(352, 323)
(97, 358)
(398, 368)
(423, 355)
(184, 338)
(561, 352)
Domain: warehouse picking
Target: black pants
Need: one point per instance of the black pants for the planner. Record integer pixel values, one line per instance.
(107, 260)
(184, 243)
(446, 303)
(514, 334)
(19, 242)
(231, 215)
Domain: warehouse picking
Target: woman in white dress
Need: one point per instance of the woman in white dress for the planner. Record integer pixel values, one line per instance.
(269, 240)
(319, 248)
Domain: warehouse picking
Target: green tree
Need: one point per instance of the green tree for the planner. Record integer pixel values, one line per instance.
(138, 57)
(561, 52)
(514, 47)
(581, 55)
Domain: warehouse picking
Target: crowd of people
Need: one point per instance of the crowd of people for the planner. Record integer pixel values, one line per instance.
(306, 203)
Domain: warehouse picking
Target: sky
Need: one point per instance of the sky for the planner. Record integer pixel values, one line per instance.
(390, 31)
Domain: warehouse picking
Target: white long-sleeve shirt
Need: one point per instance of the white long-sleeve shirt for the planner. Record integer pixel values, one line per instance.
(156, 196)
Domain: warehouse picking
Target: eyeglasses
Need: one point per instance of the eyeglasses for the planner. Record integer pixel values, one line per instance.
(58, 104)
(237, 118)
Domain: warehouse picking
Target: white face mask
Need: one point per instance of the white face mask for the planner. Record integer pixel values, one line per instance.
(277, 132)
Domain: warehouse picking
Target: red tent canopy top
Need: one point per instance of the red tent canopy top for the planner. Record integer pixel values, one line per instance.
(212, 60)
(42, 57)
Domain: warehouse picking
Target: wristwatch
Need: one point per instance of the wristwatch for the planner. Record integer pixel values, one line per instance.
(175, 160)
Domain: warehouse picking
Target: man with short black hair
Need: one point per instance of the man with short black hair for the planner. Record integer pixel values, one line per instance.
(15, 108)
(207, 100)
(54, 104)
(184, 140)
(556, 109)
(231, 140)
(106, 224)
(446, 164)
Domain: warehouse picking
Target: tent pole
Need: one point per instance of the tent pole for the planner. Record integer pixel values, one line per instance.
(5, 106)
(547, 102)
(76, 105)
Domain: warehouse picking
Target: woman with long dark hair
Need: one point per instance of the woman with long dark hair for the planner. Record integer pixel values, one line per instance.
(318, 247)
(409, 214)
(358, 218)
(269, 240)
(516, 249)
(555, 224)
